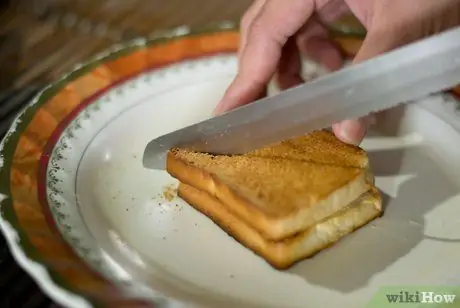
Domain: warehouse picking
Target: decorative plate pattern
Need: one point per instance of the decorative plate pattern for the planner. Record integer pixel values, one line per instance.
(35, 221)
(27, 148)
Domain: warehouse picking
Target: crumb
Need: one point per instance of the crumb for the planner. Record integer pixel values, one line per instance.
(196, 225)
(169, 192)
(232, 276)
(164, 237)
(127, 210)
(135, 156)
(132, 198)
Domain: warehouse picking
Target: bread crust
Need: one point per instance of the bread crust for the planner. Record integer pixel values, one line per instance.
(285, 202)
(272, 227)
(284, 253)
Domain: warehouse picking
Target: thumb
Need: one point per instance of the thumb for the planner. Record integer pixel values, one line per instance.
(353, 130)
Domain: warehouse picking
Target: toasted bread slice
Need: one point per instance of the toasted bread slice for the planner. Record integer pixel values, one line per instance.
(284, 253)
(320, 147)
(279, 190)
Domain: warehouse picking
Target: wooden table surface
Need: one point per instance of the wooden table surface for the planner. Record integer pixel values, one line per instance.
(41, 39)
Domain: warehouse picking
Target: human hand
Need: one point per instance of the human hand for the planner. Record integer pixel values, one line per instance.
(275, 33)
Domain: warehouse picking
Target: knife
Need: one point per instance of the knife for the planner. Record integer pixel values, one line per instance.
(407, 73)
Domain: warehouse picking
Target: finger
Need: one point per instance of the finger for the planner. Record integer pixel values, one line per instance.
(376, 43)
(246, 21)
(289, 66)
(353, 131)
(313, 40)
(322, 51)
(331, 10)
(266, 36)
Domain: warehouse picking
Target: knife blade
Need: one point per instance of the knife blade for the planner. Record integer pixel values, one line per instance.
(407, 73)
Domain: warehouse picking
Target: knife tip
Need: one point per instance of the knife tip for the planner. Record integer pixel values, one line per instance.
(154, 156)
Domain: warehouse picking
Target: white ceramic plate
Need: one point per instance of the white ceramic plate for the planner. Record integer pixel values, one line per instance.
(420, 227)
(119, 218)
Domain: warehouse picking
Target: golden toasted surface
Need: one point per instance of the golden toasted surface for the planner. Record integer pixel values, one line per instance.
(283, 189)
(283, 178)
(285, 202)
(276, 185)
(320, 147)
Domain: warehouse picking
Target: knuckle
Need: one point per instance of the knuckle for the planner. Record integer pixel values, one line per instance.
(246, 20)
(256, 27)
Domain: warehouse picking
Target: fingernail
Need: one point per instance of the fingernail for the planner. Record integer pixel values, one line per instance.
(216, 111)
(226, 101)
(220, 108)
(352, 131)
